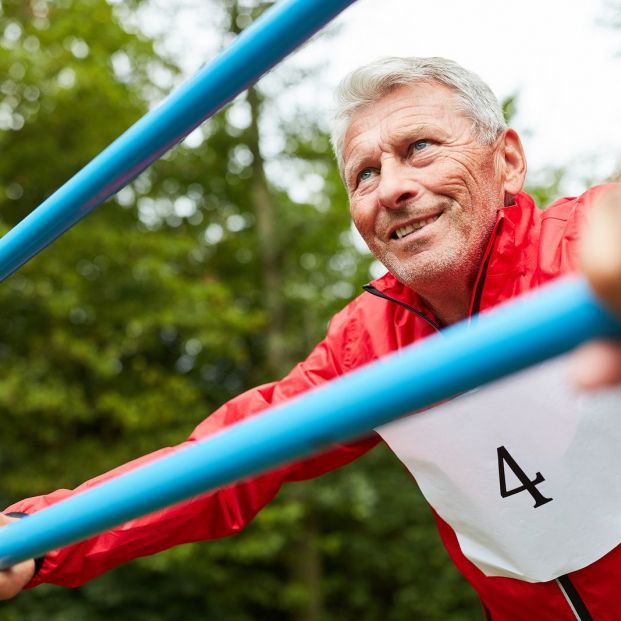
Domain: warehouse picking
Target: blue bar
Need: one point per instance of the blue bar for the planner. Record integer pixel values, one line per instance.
(527, 331)
(261, 46)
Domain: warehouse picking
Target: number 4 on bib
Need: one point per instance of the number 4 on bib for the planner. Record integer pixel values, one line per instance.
(504, 457)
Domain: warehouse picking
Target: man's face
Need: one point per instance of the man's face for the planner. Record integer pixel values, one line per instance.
(423, 192)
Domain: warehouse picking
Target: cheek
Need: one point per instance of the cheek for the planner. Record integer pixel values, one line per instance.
(475, 190)
(449, 176)
(363, 217)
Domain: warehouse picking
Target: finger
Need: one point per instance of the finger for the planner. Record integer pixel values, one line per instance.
(596, 365)
(601, 249)
(13, 579)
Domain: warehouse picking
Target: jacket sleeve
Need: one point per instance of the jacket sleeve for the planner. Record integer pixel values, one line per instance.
(215, 514)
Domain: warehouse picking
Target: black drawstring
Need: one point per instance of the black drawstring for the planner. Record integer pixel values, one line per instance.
(373, 291)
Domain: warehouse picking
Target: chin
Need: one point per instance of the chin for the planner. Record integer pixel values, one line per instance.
(430, 272)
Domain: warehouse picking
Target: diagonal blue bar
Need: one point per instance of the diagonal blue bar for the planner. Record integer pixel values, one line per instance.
(278, 32)
(519, 334)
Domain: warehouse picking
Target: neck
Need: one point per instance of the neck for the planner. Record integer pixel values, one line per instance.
(449, 297)
(448, 307)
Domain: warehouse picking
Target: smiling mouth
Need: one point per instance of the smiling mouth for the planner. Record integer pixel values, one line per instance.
(404, 231)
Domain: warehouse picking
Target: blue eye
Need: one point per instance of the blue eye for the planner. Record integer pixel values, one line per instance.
(419, 145)
(365, 174)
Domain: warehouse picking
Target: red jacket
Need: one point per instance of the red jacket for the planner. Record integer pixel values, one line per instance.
(528, 247)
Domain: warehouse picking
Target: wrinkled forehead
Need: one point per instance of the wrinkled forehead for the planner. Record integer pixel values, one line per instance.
(402, 110)
(428, 95)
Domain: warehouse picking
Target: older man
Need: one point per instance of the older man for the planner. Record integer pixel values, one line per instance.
(435, 182)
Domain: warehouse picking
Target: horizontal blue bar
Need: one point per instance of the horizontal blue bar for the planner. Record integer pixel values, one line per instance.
(529, 330)
(273, 36)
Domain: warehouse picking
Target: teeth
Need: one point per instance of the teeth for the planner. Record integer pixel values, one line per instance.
(406, 230)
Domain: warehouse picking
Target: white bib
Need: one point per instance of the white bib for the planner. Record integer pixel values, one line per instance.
(554, 447)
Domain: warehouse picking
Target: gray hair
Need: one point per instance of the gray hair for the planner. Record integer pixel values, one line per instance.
(371, 82)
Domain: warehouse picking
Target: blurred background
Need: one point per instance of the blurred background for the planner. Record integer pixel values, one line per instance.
(219, 267)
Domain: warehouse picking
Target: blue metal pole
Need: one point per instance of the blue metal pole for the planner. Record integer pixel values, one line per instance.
(529, 330)
(261, 46)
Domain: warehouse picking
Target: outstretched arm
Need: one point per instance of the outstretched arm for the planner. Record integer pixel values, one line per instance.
(212, 515)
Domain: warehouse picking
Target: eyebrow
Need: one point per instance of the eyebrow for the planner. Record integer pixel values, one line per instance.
(407, 133)
(423, 130)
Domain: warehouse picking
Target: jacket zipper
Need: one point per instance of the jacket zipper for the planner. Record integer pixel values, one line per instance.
(480, 282)
(577, 605)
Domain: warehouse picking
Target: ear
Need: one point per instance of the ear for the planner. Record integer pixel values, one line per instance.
(514, 160)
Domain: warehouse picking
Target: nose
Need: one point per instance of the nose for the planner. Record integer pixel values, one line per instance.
(396, 185)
